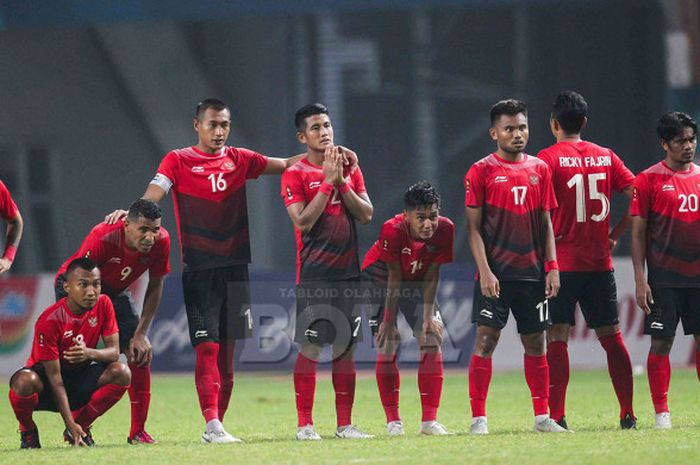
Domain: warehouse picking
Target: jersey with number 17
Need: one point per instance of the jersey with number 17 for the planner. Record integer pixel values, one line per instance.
(584, 175)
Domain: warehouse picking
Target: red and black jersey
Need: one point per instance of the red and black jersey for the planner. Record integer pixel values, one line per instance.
(513, 196)
(329, 251)
(58, 329)
(119, 265)
(669, 200)
(8, 208)
(210, 203)
(395, 244)
(584, 175)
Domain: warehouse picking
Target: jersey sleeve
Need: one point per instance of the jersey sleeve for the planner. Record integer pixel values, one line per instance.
(445, 251)
(255, 162)
(8, 208)
(292, 190)
(109, 325)
(622, 176)
(546, 156)
(641, 198)
(92, 248)
(389, 243)
(358, 181)
(549, 198)
(46, 334)
(473, 188)
(161, 265)
(166, 174)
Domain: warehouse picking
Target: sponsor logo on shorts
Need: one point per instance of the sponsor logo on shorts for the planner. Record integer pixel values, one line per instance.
(201, 333)
(310, 333)
(485, 313)
(657, 325)
(373, 323)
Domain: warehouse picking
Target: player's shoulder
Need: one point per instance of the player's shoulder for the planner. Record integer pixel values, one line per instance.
(301, 167)
(103, 229)
(104, 304)
(394, 225)
(163, 235)
(656, 169)
(445, 222)
(50, 315)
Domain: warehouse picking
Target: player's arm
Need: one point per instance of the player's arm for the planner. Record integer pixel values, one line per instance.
(153, 192)
(490, 287)
(622, 225)
(140, 350)
(13, 235)
(639, 256)
(551, 279)
(387, 331)
(79, 352)
(359, 205)
(278, 165)
(53, 373)
(432, 333)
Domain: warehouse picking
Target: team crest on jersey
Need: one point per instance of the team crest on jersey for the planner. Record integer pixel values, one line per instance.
(534, 180)
(289, 192)
(229, 165)
(92, 321)
(385, 245)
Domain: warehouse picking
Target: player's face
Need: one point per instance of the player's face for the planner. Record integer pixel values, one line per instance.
(141, 233)
(423, 222)
(510, 133)
(318, 133)
(213, 128)
(681, 149)
(83, 287)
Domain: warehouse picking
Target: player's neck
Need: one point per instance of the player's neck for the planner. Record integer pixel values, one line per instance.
(511, 157)
(74, 308)
(677, 166)
(314, 157)
(564, 137)
(207, 150)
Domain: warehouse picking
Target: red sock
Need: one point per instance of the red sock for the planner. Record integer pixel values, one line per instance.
(480, 369)
(207, 379)
(697, 363)
(620, 369)
(389, 384)
(305, 388)
(101, 400)
(537, 377)
(225, 363)
(558, 360)
(430, 376)
(344, 385)
(140, 396)
(24, 408)
(659, 374)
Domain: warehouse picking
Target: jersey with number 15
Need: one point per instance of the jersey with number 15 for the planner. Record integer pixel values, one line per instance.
(513, 196)
(584, 175)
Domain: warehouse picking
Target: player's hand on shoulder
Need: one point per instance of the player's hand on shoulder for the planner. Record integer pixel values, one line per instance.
(115, 216)
(350, 160)
(140, 350)
(552, 284)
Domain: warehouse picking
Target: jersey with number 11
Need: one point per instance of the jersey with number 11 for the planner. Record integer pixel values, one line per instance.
(584, 175)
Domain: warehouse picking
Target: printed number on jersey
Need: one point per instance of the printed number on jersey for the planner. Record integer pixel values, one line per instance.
(576, 181)
(689, 203)
(218, 183)
(519, 194)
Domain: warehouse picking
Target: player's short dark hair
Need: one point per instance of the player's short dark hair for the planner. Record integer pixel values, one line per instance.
(83, 263)
(671, 125)
(421, 195)
(213, 103)
(570, 111)
(144, 208)
(308, 110)
(510, 107)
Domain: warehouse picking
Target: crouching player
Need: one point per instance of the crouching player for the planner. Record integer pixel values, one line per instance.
(402, 270)
(65, 371)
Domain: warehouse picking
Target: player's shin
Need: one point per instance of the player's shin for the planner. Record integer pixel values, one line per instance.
(430, 378)
(305, 388)
(344, 377)
(24, 406)
(101, 400)
(389, 384)
(480, 369)
(620, 369)
(207, 379)
(140, 397)
(558, 360)
(225, 362)
(659, 374)
(537, 377)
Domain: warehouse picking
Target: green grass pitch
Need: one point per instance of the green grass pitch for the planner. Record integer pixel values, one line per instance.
(262, 414)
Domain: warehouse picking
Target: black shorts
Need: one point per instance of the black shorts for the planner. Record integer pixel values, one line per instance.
(671, 305)
(410, 304)
(595, 291)
(127, 319)
(80, 385)
(524, 298)
(217, 302)
(329, 312)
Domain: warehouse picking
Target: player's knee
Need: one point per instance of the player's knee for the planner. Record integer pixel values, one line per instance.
(533, 343)
(486, 342)
(558, 332)
(311, 351)
(25, 383)
(119, 374)
(661, 346)
(608, 330)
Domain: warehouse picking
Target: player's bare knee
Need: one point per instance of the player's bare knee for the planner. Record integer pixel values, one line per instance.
(118, 373)
(25, 383)
(608, 330)
(558, 332)
(311, 351)
(486, 341)
(533, 343)
(342, 352)
(661, 346)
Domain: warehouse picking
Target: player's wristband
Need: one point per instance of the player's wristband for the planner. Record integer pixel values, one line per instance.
(10, 252)
(326, 188)
(550, 265)
(344, 188)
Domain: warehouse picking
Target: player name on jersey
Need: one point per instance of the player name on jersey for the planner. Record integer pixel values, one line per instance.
(580, 162)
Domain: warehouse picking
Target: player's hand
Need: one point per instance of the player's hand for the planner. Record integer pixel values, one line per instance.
(490, 287)
(77, 432)
(140, 350)
(331, 165)
(350, 160)
(612, 243)
(388, 334)
(551, 284)
(431, 335)
(5, 264)
(77, 353)
(644, 297)
(115, 216)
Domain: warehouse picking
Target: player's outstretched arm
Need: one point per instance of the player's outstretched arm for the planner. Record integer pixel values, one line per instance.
(490, 287)
(153, 192)
(278, 165)
(13, 235)
(432, 331)
(551, 279)
(53, 373)
(639, 256)
(140, 350)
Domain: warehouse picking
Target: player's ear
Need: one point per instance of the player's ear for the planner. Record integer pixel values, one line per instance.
(492, 133)
(664, 145)
(301, 137)
(195, 124)
(65, 284)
